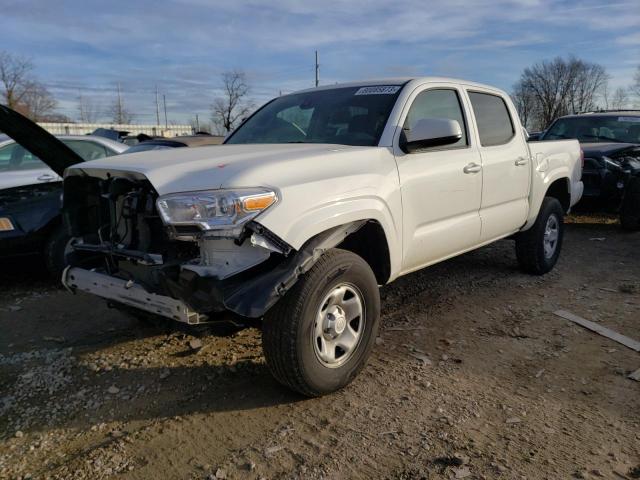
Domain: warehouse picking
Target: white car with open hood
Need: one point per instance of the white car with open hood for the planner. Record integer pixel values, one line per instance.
(311, 204)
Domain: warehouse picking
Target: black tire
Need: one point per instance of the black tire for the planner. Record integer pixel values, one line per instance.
(290, 326)
(54, 252)
(630, 209)
(530, 244)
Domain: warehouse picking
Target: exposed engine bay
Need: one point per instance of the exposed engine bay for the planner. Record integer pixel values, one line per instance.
(122, 251)
(629, 160)
(606, 176)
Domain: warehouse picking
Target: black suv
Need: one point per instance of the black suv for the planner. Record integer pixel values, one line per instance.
(611, 174)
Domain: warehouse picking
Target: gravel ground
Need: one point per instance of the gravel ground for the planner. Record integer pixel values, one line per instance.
(472, 377)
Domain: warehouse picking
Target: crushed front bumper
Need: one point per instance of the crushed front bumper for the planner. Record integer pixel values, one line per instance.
(192, 298)
(129, 293)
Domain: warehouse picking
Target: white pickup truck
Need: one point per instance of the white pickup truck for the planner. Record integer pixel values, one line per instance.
(312, 203)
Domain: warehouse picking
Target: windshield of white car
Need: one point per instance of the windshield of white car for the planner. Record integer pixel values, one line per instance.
(596, 129)
(343, 116)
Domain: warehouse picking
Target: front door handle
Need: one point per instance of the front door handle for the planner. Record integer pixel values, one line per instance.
(520, 161)
(45, 177)
(472, 168)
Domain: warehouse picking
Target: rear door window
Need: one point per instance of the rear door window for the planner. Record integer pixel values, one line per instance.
(492, 117)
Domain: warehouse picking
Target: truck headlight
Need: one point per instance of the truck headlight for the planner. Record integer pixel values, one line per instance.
(214, 209)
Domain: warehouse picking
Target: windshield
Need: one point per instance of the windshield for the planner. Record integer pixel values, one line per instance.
(344, 116)
(596, 129)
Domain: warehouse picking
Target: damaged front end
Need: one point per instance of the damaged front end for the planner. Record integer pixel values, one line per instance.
(190, 257)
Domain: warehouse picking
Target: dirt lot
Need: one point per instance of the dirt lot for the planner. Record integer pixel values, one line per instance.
(472, 377)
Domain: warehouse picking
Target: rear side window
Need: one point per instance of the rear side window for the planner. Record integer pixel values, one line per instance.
(492, 117)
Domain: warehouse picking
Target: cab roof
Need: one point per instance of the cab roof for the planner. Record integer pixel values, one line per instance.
(400, 81)
(605, 113)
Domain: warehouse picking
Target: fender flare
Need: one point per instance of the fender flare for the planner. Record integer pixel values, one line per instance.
(537, 196)
(254, 297)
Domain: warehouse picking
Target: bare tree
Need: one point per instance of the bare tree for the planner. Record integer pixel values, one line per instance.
(87, 111)
(526, 105)
(620, 99)
(38, 103)
(635, 87)
(558, 87)
(233, 105)
(15, 78)
(589, 81)
(119, 112)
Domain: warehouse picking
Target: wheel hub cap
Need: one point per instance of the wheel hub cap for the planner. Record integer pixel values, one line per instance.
(335, 322)
(339, 325)
(551, 235)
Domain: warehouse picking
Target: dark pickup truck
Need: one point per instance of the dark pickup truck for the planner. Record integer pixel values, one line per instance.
(611, 174)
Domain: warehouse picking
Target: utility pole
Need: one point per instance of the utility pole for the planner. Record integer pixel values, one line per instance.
(157, 108)
(119, 105)
(317, 70)
(164, 100)
(197, 123)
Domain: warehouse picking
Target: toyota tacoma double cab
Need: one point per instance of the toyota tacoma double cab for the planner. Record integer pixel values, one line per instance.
(316, 200)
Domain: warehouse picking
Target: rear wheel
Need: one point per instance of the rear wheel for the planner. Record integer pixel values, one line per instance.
(538, 248)
(630, 210)
(319, 336)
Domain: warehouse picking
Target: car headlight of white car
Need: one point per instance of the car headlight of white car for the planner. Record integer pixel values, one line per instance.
(215, 209)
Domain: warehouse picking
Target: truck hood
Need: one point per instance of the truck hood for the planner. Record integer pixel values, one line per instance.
(224, 166)
(37, 140)
(599, 149)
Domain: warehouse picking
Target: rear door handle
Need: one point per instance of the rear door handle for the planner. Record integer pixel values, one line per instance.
(46, 177)
(472, 168)
(520, 161)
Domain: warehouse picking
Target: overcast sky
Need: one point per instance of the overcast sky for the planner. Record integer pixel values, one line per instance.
(183, 45)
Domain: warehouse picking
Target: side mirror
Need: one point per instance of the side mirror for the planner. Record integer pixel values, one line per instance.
(431, 132)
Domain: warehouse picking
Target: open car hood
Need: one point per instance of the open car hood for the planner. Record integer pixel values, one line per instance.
(37, 141)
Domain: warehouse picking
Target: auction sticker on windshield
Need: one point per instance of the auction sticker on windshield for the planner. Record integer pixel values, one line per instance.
(378, 90)
(625, 119)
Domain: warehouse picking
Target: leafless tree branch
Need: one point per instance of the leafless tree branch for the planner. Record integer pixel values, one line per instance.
(15, 78)
(233, 106)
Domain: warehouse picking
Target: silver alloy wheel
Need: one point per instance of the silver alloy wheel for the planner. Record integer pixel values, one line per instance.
(339, 325)
(551, 235)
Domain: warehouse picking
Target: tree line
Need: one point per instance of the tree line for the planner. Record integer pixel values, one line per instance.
(553, 88)
(545, 91)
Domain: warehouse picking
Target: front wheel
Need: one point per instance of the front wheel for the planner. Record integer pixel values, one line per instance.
(56, 249)
(538, 248)
(319, 336)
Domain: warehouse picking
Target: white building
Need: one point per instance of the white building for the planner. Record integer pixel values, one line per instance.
(85, 128)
